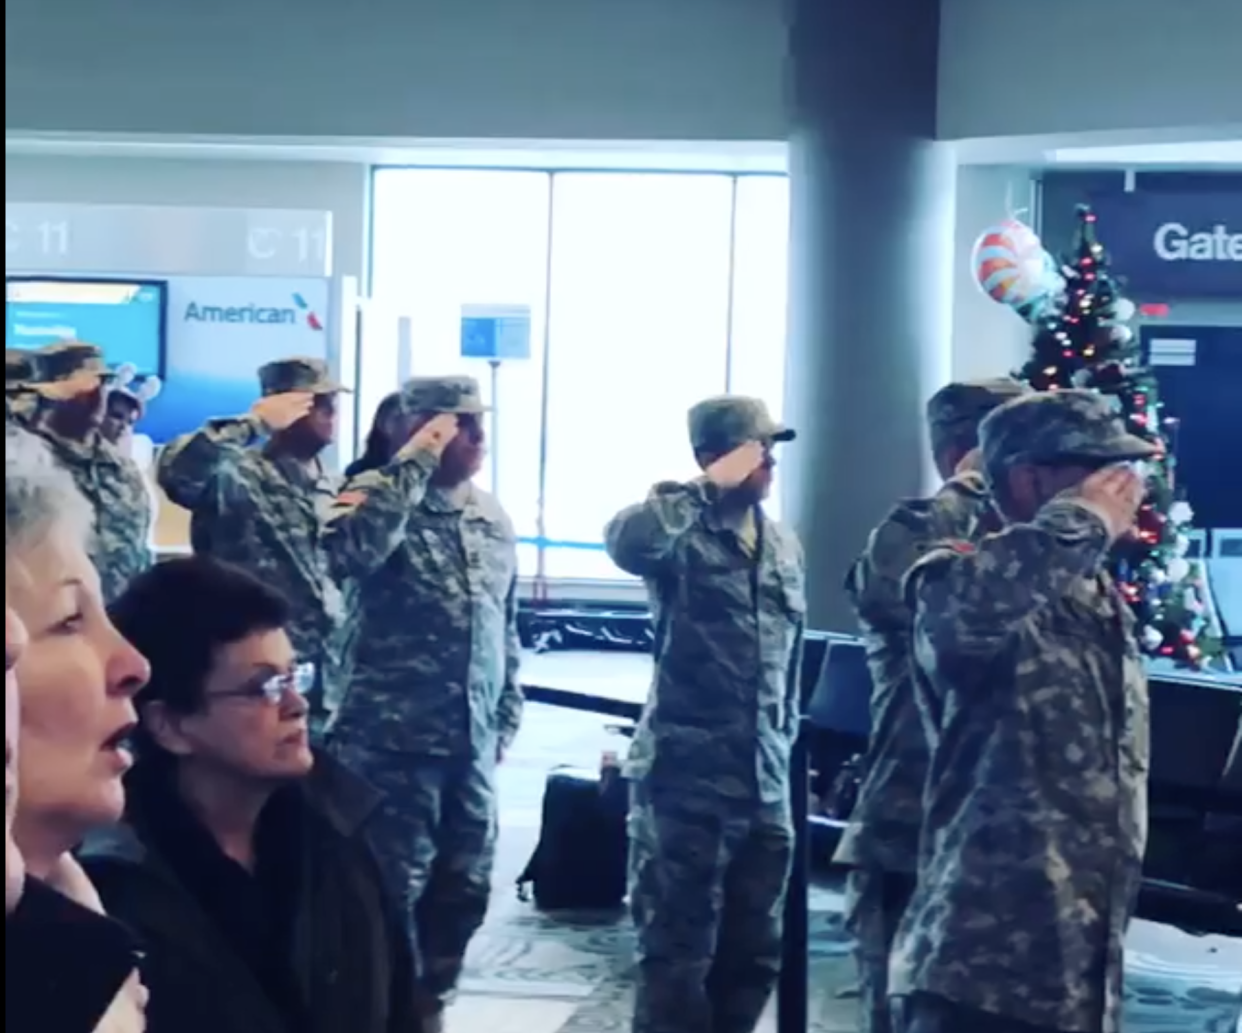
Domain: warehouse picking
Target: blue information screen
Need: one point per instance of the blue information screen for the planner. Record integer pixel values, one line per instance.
(123, 318)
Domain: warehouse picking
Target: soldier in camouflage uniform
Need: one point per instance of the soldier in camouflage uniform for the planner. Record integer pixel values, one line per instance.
(64, 404)
(20, 370)
(1035, 813)
(435, 699)
(258, 493)
(710, 828)
(881, 843)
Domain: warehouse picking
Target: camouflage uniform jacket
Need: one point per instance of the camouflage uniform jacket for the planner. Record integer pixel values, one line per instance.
(1036, 816)
(264, 513)
(113, 485)
(884, 828)
(723, 709)
(437, 649)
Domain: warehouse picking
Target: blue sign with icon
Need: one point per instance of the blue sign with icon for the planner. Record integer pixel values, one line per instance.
(495, 333)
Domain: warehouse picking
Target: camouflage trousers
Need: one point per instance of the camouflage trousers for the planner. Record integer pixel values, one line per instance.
(927, 1013)
(707, 890)
(435, 839)
(875, 900)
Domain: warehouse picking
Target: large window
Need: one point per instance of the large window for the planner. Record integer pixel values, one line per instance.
(444, 239)
(639, 332)
(760, 293)
(651, 291)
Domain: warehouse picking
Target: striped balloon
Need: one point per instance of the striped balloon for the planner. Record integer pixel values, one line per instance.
(1009, 264)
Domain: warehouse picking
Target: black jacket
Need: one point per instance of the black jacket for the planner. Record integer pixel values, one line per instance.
(63, 964)
(330, 954)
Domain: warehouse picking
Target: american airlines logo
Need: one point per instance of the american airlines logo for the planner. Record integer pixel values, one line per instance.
(263, 315)
(1174, 242)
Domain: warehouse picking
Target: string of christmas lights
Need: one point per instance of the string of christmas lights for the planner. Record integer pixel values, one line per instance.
(1086, 342)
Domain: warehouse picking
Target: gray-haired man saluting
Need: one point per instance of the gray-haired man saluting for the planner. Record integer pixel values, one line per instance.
(711, 836)
(1035, 811)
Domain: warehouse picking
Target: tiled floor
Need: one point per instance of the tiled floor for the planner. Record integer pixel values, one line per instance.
(530, 973)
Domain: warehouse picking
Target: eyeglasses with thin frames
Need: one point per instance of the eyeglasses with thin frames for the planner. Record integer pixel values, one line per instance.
(300, 680)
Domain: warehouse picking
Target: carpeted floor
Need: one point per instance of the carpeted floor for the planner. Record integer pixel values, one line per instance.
(532, 973)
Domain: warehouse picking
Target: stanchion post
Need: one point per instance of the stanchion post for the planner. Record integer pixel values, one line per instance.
(792, 1005)
(494, 444)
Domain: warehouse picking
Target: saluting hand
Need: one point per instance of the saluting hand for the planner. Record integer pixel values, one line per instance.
(81, 385)
(433, 436)
(1115, 493)
(972, 462)
(732, 469)
(280, 412)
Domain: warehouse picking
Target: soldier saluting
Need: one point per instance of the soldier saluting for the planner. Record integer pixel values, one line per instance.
(258, 492)
(881, 844)
(1035, 812)
(434, 701)
(711, 831)
(63, 402)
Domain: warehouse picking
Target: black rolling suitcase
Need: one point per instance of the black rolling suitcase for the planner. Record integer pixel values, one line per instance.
(580, 862)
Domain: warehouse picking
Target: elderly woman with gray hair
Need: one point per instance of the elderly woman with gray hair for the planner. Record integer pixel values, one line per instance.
(69, 683)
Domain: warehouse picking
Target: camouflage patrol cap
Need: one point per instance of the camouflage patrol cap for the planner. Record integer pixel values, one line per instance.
(721, 424)
(459, 396)
(960, 406)
(59, 362)
(1048, 428)
(20, 367)
(298, 375)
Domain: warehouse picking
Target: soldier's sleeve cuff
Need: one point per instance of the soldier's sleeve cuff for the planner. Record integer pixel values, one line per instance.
(420, 459)
(1076, 513)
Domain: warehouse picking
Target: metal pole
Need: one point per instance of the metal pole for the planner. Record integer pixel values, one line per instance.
(541, 517)
(792, 1004)
(495, 445)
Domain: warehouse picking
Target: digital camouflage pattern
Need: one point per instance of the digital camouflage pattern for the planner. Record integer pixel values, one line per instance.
(1054, 427)
(956, 410)
(710, 759)
(438, 655)
(67, 359)
(707, 895)
(121, 500)
(880, 843)
(884, 828)
(298, 375)
(721, 424)
(433, 807)
(111, 482)
(456, 396)
(435, 694)
(1036, 818)
(875, 903)
(255, 508)
(882, 837)
(20, 367)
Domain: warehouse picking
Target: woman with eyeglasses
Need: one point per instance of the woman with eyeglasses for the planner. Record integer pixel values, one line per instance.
(242, 861)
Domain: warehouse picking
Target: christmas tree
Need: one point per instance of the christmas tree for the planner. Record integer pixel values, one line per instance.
(1085, 341)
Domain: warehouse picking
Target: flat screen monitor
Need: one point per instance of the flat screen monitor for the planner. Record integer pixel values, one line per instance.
(125, 318)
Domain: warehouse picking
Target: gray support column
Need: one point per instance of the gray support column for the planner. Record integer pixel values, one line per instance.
(871, 253)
